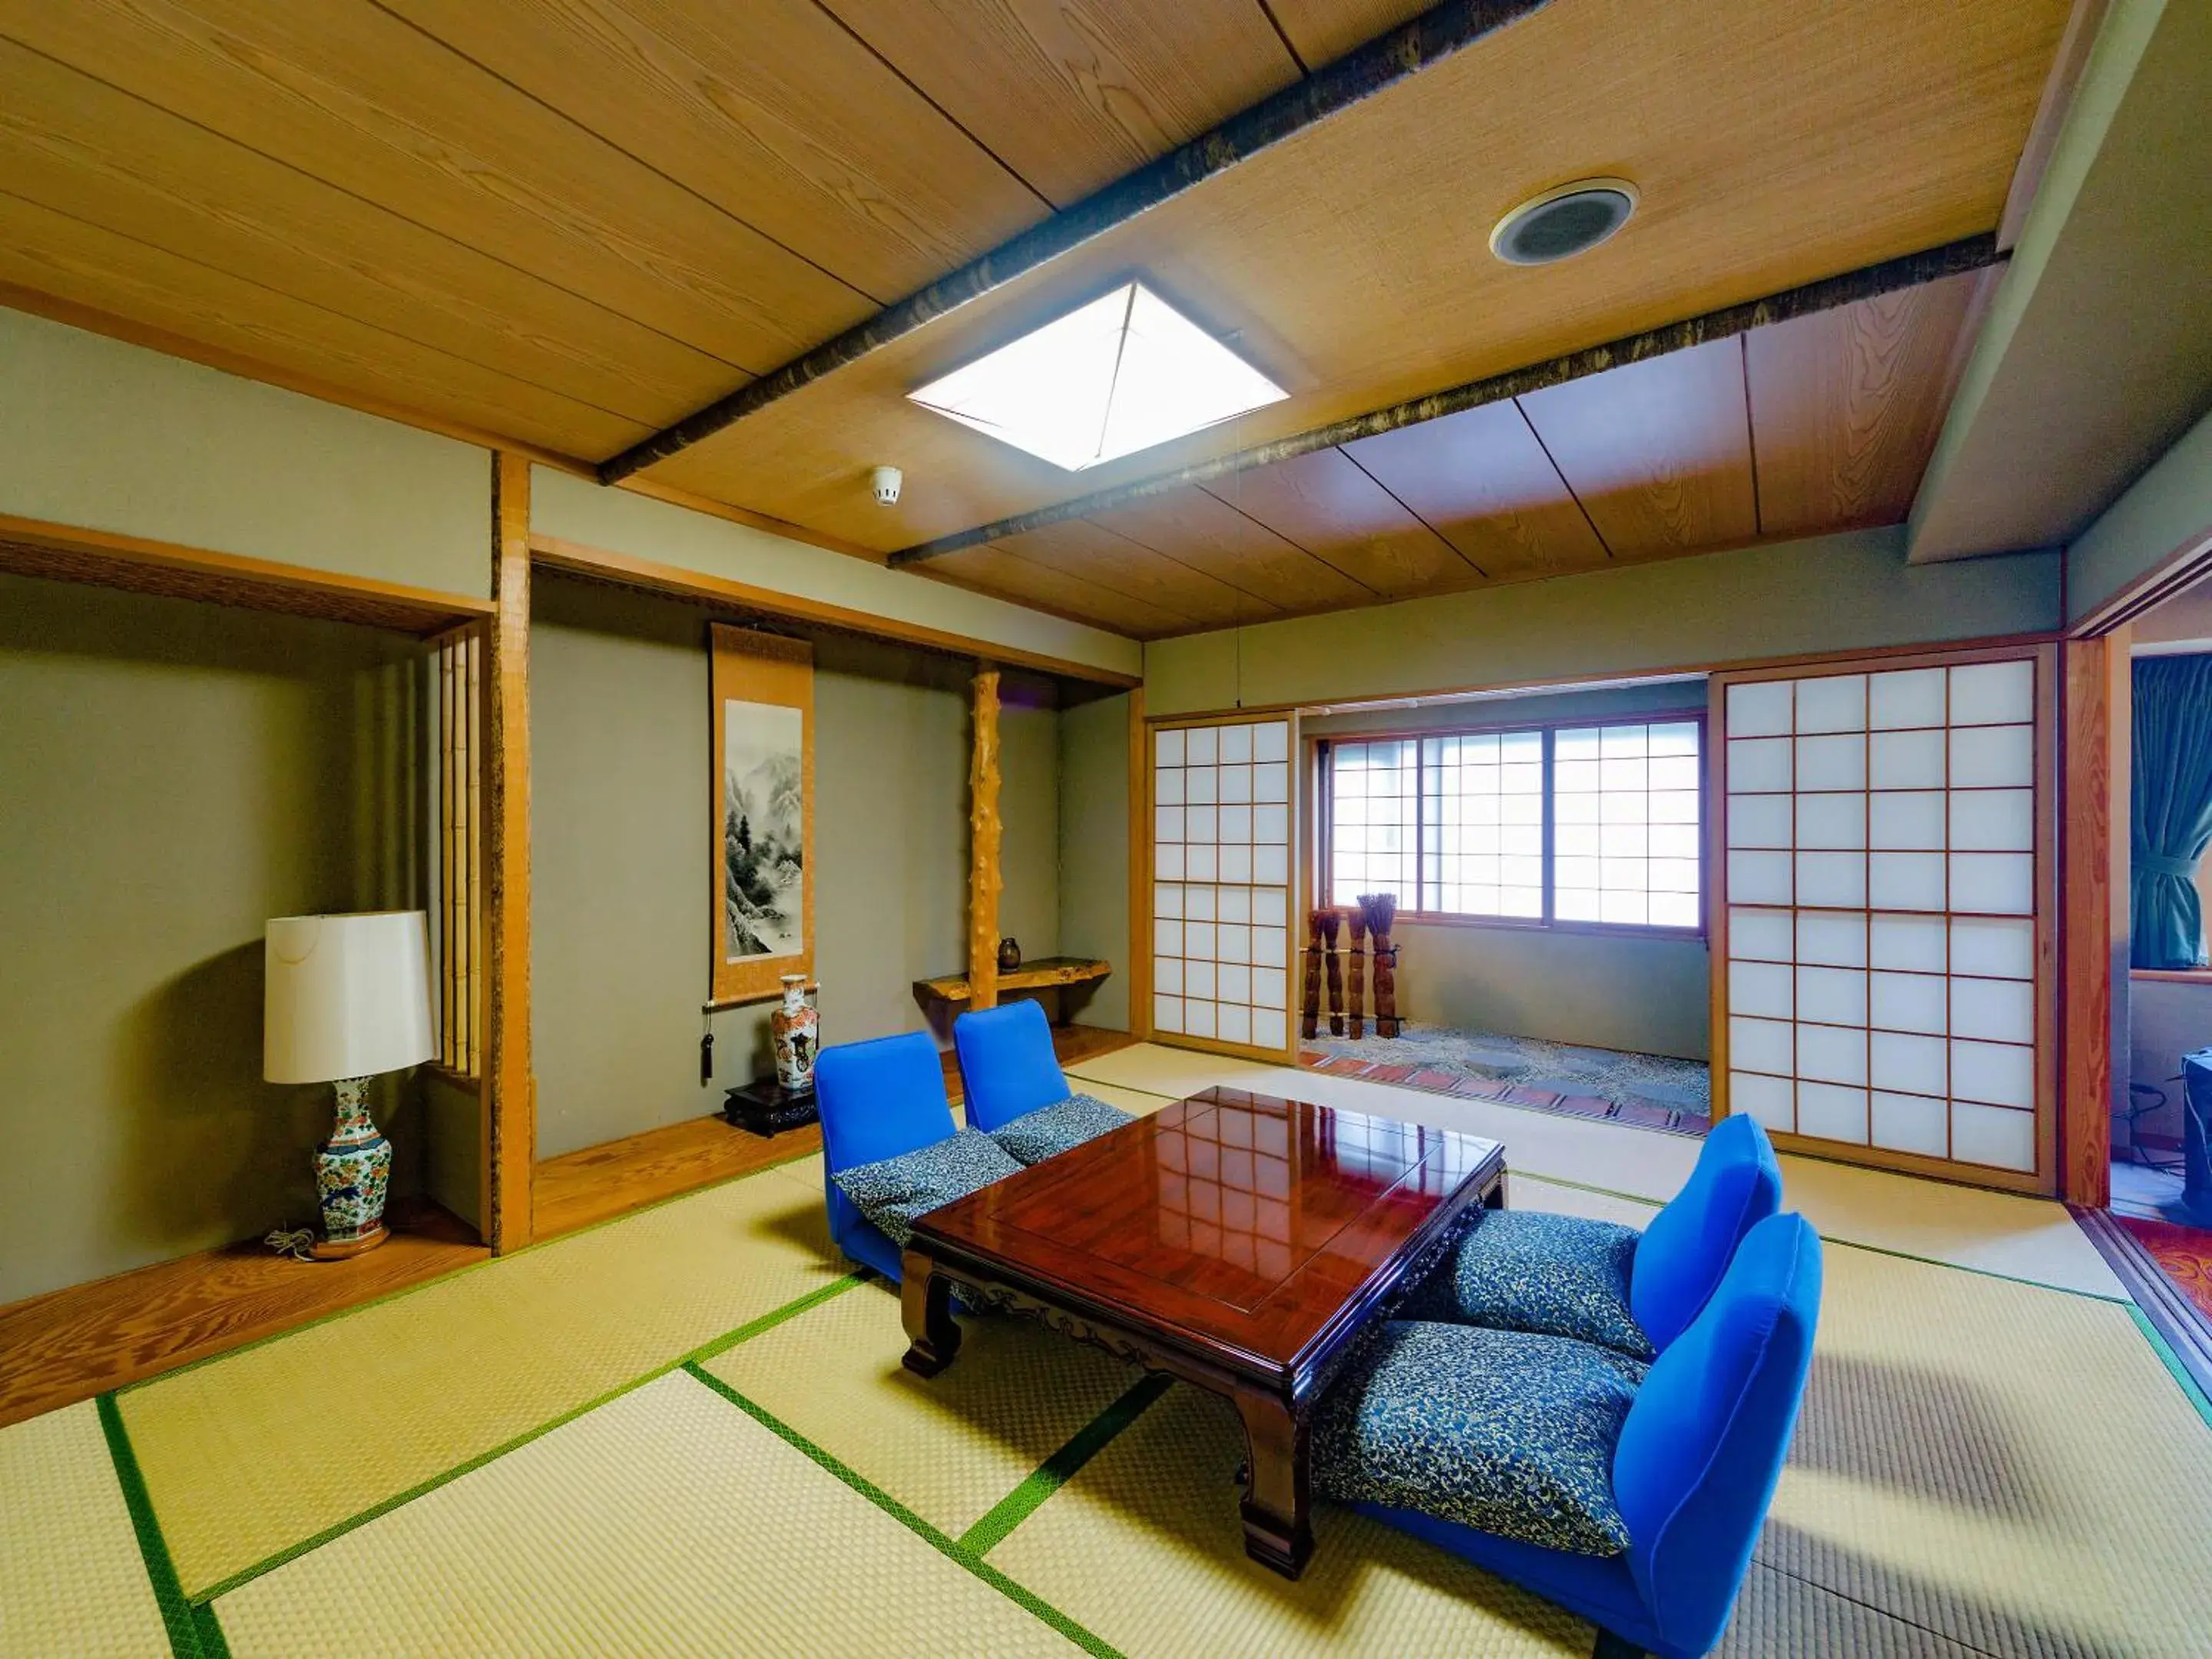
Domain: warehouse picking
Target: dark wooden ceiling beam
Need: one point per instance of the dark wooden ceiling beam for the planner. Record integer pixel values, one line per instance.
(1911, 271)
(1436, 34)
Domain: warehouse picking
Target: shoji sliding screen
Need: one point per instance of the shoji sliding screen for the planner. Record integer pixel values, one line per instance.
(1884, 922)
(1222, 834)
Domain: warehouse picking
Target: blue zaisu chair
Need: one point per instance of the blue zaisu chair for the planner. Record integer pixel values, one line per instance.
(1007, 1067)
(878, 1099)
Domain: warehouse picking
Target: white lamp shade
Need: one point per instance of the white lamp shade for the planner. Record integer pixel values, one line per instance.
(347, 996)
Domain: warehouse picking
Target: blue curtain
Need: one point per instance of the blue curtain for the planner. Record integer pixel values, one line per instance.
(2173, 808)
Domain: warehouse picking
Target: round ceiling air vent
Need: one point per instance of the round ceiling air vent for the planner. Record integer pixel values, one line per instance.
(1563, 222)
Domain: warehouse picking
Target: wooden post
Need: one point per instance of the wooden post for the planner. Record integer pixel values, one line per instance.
(983, 836)
(510, 1087)
(2093, 910)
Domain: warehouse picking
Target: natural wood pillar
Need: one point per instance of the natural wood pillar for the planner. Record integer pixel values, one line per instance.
(510, 1085)
(2097, 717)
(983, 839)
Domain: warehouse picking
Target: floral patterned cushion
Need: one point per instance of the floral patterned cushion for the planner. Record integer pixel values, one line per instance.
(1529, 1270)
(1035, 1136)
(1501, 1430)
(894, 1192)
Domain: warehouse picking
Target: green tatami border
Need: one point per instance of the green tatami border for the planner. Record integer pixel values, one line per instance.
(177, 1615)
(706, 1351)
(2171, 1361)
(953, 1549)
(1056, 1470)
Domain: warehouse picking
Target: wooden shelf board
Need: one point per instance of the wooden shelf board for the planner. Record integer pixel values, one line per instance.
(1043, 974)
(72, 1343)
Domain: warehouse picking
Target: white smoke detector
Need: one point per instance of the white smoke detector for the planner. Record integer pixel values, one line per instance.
(885, 481)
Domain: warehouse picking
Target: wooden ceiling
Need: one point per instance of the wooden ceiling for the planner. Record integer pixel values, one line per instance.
(569, 222)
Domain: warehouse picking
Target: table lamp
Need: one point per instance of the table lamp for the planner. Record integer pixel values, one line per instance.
(349, 997)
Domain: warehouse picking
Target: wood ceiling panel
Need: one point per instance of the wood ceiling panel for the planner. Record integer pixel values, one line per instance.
(1072, 94)
(79, 146)
(1322, 31)
(773, 111)
(1482, 480)
(1774, 146)
(54, 254)
(1208, 534)
(993, 570)
(362, 100)
(1079, 549)
(1845, 406)
(1326, 504)
(1658, 453)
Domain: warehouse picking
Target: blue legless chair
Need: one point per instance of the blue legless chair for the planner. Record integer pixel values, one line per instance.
(1694, 1468)
(1007, 1067)
(878, 1099)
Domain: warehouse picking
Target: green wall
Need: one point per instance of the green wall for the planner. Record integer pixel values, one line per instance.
(1094, 850)
(621, 845)
(108, 436)
(173, 775)
(1651, 993)
(1829, 594)
(2167, 506)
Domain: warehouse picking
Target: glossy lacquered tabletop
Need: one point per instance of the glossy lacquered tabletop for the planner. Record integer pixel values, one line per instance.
(1249, 1220)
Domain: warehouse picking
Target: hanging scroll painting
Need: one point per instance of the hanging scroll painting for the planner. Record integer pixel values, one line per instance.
(763, 799)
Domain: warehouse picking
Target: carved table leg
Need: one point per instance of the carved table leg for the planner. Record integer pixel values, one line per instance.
(926, 1306)
(1278, 1500)
(1495, 1198)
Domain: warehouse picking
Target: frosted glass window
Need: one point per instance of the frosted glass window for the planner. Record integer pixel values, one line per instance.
(1908, 1002)
(1760, 988)
(1834, 703)
(1991, 1135)
(1762, 935)
(1993, 883)
(1759, 765)
(1761, 708)
(1627, 798)
(1992, 693)
(1909, 1065)
(1993, 947)
(1760, 821)
(1910, 820)
(1760, 878)
(1832, 880)
(1993, 756)
(1832, 763)
(1373, 829)
(1832, 821)
(1910, 1123)
(1993, 820)
(1771, 1100)
(1482, 825)
(1835, 996)
(1996, 1072)
(1832, 1053)
(2002, 1010)
(1761, 1045)
(1905, 760)
(1913, 943)
(1836, 939)
(1911, 697)
(1832, 1113)
(1906, 881)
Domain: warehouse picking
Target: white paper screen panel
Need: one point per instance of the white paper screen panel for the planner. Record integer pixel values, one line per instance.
(1221, 883)
(1880, 899)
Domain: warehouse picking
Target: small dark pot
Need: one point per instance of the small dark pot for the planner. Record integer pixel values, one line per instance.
(1010, 956)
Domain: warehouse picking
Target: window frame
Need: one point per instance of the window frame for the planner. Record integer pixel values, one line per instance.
(1322, 746)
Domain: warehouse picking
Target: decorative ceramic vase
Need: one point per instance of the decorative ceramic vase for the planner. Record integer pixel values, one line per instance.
(353, 1170)
(793, 1026)
(1010, 956)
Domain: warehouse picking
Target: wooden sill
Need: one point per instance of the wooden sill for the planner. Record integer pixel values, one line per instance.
(2172, 975)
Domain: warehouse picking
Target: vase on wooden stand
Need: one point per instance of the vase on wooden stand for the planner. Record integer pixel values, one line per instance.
(793, 1027)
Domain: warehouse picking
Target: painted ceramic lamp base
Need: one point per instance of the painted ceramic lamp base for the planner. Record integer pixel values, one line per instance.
(353, 1170)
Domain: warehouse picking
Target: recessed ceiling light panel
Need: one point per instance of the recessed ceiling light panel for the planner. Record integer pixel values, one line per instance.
(1120, 374)
(1563, 222)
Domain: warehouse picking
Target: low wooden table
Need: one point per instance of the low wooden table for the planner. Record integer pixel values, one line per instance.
(1236, 1240)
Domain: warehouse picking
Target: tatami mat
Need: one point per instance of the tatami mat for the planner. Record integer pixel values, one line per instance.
(1143, 1546)
(949, 1447)
(2025, 1238)
(71, 1578)
(666, 1523)
(252, 1454)
(2012, 1469)
(1778, 1617)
